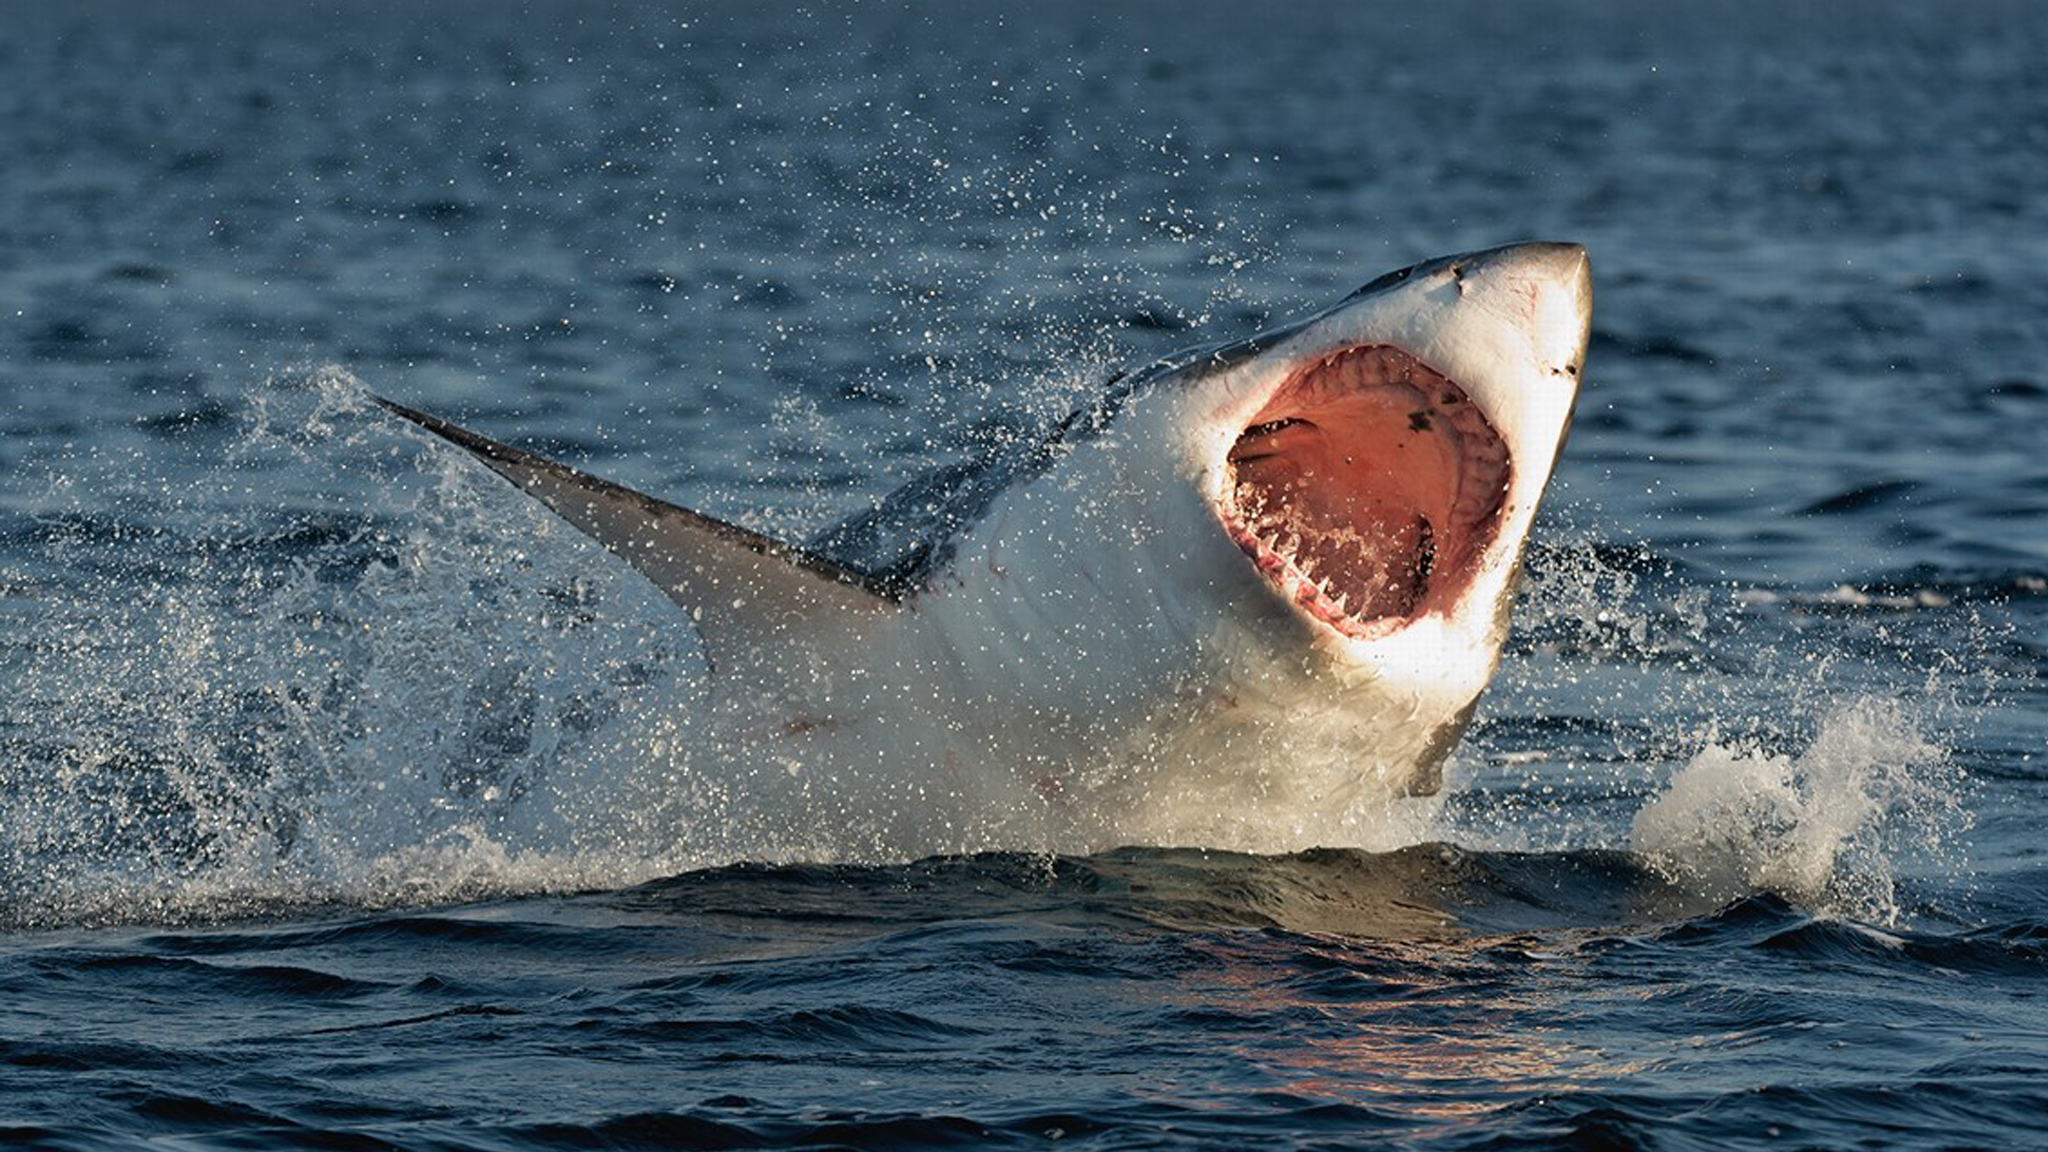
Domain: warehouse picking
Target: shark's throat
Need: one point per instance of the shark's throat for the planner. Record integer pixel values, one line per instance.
(1367, 489)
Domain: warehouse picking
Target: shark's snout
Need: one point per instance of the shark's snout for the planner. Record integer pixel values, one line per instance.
(1555, 284)
(1543, 259)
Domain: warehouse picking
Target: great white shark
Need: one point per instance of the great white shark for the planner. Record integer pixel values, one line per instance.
(1242, 598)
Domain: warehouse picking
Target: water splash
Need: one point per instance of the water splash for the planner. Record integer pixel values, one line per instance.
(1832, 826)
(1734, 739)
(424, 695)
(376, 675)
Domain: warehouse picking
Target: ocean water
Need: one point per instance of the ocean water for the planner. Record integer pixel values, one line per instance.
(325, 816)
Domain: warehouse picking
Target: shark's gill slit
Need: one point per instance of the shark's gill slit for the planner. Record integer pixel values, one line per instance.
(1366, 488)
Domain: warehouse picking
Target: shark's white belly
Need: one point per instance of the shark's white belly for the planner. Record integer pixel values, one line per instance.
(1044, 694)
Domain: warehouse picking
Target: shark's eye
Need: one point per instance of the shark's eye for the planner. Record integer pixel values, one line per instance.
(1388, 281)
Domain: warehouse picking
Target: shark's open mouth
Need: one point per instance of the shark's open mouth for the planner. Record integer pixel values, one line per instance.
(1367, 489)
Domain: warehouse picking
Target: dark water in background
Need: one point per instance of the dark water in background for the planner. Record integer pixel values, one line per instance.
(310, 830)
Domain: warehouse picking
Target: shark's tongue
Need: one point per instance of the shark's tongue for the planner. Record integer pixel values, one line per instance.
(1367, 487)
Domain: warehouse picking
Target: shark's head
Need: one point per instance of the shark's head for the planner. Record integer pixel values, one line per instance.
(1377, 466)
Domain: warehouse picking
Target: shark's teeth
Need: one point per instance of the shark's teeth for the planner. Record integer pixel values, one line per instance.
(1412, 515)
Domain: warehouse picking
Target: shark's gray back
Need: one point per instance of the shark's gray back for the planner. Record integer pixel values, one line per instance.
(910, 535)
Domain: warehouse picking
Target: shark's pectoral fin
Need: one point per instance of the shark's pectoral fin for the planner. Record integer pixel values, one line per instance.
(745, 591)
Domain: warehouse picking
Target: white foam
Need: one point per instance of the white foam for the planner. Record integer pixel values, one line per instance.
(1830, 827)
(447, 695)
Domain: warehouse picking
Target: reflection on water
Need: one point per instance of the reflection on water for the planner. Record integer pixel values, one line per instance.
(1444, 1029)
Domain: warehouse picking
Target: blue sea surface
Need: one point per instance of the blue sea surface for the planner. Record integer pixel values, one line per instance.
(314, 737)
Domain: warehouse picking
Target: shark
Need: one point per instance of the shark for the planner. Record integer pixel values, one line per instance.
(1244, 596)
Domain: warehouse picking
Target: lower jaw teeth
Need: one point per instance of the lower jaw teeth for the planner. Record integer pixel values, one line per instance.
(1277, 556)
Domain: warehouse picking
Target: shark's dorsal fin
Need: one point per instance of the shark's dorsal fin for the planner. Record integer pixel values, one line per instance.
(744, 590)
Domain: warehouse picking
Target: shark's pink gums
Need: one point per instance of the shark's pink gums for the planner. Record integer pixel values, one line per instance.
(1367, 488)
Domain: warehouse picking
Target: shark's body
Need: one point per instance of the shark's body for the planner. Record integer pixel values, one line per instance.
(1248, 594)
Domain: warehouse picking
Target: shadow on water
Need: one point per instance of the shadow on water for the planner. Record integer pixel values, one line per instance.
(1425, 891)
